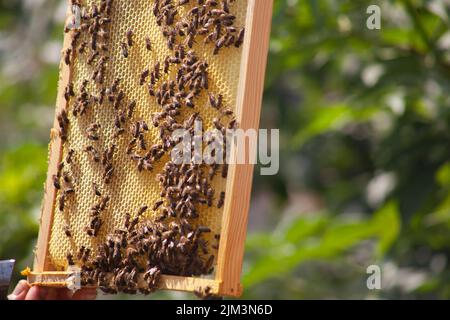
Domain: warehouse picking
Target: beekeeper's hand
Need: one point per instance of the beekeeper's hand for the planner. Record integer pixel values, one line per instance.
(24, 291)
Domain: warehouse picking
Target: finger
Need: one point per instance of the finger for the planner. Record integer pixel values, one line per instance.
(64, 294)
(20, 291)
(37, 293)
(85, 294)
(52, 294)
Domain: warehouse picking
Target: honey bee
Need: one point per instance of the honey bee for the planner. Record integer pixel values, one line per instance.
(156, 70)
(131, 108)
(82, 47)
(133, 223)
(144, 76)
(62, 202)
(108, 7)
(63, 122)
(92, 57)
(148, 44)
(142, 210)
(69, 258)
(56, 183)
(95, 11)
(104, 203)
(144, 164)
(59, 169)
(157, 205)
(95, 155)
(209, 38)
(221, 201)
(203, 229)
(94, 41)
(189, 100)
(224, 170)
(69, 157)
(240, 38)
(104, 21)
(208, 265)
(119, 132)
(102, 33)
(210, 196)
(204, 81)
(67, 179)
(135, 129)
(202, 30)
(115, 85)
(67, 56)
(231, 39)
(96, 189)
(107, 176)
(225, 6)
(116, 104)
(220, 43)
(152, 277)
(94, 227)
(193, 11)
(92, 132)
(124, 47)
(219, 126)
(83, 254)
(233, 124)
(216, 103)
(170, 16)
(69, 92)
(227, 112)
(190, 40)
(67, 231)
(120, 97)
(129, 36)
(166, 65)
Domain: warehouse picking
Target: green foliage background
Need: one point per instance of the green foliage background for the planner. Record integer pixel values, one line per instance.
(364, 162)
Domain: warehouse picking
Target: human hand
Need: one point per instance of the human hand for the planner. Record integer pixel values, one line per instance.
(24, 291)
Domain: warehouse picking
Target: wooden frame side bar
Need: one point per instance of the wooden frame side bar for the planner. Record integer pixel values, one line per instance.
(41, 262)
(249, 100)
(189, 284)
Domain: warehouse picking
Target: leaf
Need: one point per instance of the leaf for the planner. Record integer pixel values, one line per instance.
(22, 169)
(322, 239)
(387, 225)
(443, 175)
(303, 228)
(331, 118)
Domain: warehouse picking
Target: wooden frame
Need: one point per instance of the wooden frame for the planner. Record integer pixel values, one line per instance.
(235, 217)
(41, 262)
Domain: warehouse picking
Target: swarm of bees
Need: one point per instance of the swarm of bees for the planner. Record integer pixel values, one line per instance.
(173, 243)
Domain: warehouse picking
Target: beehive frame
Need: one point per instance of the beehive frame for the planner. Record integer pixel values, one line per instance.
(238, 185)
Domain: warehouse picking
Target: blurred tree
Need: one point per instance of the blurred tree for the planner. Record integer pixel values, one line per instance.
(365, 127)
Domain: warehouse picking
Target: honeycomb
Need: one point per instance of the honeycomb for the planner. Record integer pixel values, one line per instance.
(130, 189)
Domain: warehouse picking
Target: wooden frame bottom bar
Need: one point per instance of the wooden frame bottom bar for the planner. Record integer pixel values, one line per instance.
(187, 284)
